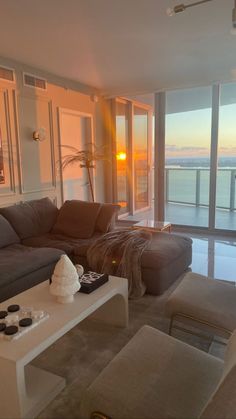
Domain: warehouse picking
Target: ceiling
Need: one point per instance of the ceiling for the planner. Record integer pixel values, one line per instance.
(121, 46)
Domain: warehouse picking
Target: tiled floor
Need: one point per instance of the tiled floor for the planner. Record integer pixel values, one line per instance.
(214, 256)
(191, 216)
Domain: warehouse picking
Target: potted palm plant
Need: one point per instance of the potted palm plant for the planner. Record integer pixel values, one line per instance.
(85, 158)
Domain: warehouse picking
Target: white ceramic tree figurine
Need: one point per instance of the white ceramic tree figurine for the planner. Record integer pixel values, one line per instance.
(65, 281)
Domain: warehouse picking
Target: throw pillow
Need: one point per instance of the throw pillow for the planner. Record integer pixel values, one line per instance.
(106, 217)
(32, 218)
(8, 235)
(77, 219)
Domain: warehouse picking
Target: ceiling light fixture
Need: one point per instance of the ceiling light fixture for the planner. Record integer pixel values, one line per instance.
(182, 7)
(234, 17)
(171, 11)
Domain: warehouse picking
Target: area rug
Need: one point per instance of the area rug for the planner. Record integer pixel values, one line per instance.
(82, 353)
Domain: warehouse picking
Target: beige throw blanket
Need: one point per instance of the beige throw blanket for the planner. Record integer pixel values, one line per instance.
(119, 253)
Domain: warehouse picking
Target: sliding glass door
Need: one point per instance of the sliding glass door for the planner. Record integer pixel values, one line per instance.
(187, 156)
(199, 138)
(133, 129)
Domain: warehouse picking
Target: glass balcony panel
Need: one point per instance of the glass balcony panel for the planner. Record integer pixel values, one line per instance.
(182, 186)
(223, 189)
(204, 187)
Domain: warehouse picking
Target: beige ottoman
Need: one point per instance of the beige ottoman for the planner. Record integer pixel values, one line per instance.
(166, 258)
(158, 377)
(206, 303)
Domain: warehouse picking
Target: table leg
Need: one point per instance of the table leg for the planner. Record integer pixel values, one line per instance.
(12, 389)
(26, 390)
(115, 311)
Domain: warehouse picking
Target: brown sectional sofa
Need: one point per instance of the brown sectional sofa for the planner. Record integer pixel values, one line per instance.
(34, 234)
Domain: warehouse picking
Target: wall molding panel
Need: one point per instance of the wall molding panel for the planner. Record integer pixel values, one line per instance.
(37, 158)
(31, 167)
(15, 94)
(9, 187)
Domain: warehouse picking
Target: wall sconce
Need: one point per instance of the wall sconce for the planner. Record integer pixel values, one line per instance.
(39, 134)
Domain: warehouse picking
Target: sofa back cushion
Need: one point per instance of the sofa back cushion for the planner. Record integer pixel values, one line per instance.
(32, 218)
(77, 219)
(106, 217)
(7, 234)
(222, 403)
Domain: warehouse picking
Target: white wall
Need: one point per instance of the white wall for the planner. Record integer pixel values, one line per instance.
(30, 168)
(76, 131)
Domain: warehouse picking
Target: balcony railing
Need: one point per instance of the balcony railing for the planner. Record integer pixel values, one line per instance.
(191, 186)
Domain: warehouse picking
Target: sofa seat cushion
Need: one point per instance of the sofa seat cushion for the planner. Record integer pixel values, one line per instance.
(69, 245)
(82, 245)
(30, 219)
(77, 219)
(163, 249)
(18, 260)
(7, 234)
(154, 376)
(50, 240)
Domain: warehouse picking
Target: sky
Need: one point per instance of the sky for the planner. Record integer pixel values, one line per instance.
(188, 134)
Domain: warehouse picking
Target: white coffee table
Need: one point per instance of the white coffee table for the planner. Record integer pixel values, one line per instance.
(26, 390)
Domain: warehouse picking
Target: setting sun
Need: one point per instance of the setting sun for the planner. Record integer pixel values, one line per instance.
(121, 156)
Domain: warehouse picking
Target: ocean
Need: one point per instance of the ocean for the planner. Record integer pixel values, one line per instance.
(187, 181)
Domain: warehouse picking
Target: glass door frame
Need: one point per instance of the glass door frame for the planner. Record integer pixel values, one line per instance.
(114, 153)
(130, 159)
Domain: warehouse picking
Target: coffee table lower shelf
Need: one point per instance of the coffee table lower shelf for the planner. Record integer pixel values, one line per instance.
(41, 387)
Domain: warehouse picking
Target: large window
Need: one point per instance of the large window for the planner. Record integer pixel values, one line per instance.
(187, 163)
(195, 160)
(200, 156)
(133, 142)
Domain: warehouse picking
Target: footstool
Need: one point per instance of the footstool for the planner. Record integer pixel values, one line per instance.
(166, 257)
(158, 377)
(205, 303)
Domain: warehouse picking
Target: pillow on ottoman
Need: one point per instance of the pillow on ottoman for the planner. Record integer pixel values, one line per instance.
(77, 219)
(106, 217)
